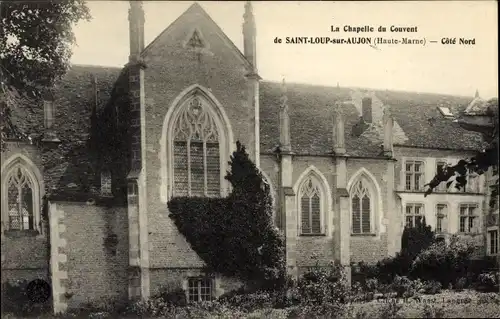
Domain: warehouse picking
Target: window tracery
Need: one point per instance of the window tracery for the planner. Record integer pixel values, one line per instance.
(21, 206)
(196, 152)
(310, 208)
(361, 208)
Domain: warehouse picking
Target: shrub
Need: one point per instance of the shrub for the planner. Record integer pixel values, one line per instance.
(323, 285)
(415, 239)
(16, 299)
(403, 287)
(361, 271)
(432, 287)
(235, 236)
(176, 297)
(461, 283)
(388, 268)
(443, 262)
(372, 285)
(489, 298)
(152, 307)
(488, 281)
(248, 302)
(212, 309)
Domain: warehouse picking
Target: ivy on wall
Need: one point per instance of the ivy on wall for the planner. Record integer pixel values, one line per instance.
(235, 236)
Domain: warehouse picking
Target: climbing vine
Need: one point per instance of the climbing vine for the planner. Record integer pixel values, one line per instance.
(235, 236)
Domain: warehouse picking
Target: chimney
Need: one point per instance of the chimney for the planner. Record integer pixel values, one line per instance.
(136, 29)
(338, 130)
(250, 36)
(366, 109)
(284, 120)
(388, 122)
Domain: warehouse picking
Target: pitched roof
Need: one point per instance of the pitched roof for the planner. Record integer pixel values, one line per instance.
(423, 123)
(311, 122)
(311, 115)
(311, 119)
(69, 168)
(197, 9)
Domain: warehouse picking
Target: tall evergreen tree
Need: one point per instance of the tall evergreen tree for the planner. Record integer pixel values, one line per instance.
(235, 236)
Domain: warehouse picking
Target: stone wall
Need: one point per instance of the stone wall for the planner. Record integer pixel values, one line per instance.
(86, 266)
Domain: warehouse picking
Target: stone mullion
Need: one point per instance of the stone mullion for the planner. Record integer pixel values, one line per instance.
(205, 171)
(189, 165)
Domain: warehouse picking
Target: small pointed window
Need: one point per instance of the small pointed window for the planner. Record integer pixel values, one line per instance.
(311, 207)
(361, 209)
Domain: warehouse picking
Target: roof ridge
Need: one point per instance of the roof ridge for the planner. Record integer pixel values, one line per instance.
(95, 66)
(375, 90)
(196, 6)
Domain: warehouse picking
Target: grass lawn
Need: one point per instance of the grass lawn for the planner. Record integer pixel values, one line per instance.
(447, 304)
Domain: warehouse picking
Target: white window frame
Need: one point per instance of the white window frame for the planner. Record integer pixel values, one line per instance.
(412, 173)
(488, 241)
(200, 281)
(444, 218)
(412, 213)
(476, 217)
(472, 185)
(442, 186)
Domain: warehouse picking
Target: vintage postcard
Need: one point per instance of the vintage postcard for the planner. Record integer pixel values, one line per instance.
(241, 159)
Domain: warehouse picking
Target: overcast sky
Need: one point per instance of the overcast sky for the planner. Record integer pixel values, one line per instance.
(451, 69)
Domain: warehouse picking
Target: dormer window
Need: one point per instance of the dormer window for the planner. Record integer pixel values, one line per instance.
(445, 111)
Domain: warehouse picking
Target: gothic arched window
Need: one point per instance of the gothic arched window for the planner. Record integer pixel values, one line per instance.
(361, 208)
(20, 199)
(196, 154)
(311, 207)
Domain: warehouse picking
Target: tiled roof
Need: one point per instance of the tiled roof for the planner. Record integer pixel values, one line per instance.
(69, 167)
(311, 119)
(423, 123)
(75, 170)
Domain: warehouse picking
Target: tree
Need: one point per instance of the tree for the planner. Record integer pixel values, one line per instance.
(484, 161)
(35, 48)
(417, 238)
(235, 236)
